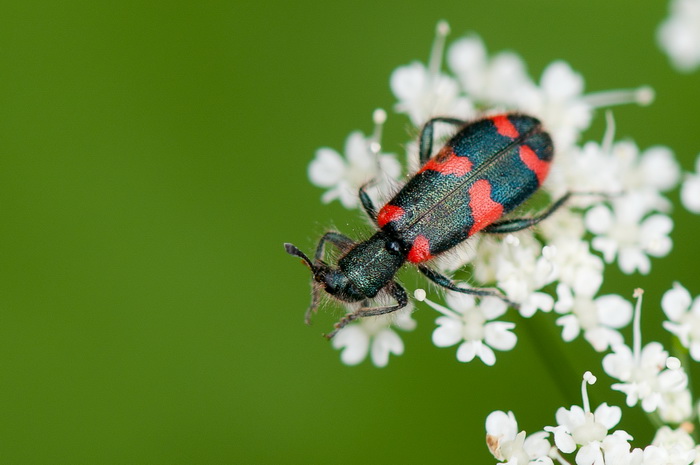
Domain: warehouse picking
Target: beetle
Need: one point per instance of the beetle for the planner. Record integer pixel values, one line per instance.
(487, 169)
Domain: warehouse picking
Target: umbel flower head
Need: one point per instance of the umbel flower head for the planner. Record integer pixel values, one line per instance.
(363, 162)
(679, 34)
(587, 434)
(510, 446)
(580, 428)
(608, 205)
(616, 210)
(647, 374)
(373, 336)
(471, 326)
(684, 315)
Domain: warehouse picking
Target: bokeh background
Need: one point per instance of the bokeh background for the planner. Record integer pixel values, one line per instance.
(152, 162)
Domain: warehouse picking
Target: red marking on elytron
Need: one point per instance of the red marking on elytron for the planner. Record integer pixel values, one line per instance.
(447, 162)
(420, 251)
(484, 210)
(539, 167)
(505, 127)
(389, 213)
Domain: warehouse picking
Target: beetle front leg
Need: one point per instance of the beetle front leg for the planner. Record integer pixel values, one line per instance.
(367, 203)
(396, 291)
(443, 281)
(426, 136)
(343, 242)
(314, 304)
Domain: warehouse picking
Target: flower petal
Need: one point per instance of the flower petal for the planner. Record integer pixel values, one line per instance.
(607, 415)
(467, 351)
(614, 311)
(499, 336)
(385, 343)
(448, 333)
(690, 193)
(492, 307)
(570, 327)
(632, 259)
(327, 168)
(676, 302)
(502, 425)
(560, 81)
(485, 353)
(354, 342)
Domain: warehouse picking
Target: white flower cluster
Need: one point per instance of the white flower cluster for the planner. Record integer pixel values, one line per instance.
(649, 376)
(690, 192)
(618, 212)
(472, 327)
(679, 34)
(587, 435)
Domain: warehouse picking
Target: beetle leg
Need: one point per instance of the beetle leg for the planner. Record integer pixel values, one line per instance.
(343, 242)
(367, 203)
(447, 283)
(518, 224)
(397, 292)
(426, 135)
(314, 304)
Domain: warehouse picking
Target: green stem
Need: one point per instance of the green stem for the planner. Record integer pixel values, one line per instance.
(682, 354)
(655, 420)
(558, 366)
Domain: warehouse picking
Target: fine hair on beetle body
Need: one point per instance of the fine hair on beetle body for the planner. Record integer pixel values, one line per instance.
(483, 172)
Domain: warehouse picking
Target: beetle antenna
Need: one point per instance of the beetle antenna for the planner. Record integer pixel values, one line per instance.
(292, 250)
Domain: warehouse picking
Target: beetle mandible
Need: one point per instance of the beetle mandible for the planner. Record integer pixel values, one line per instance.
(488, 168)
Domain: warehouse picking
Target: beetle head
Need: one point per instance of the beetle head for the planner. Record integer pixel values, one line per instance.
(331, 279)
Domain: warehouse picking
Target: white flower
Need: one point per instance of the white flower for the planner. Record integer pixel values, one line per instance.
(628, 235)
(655, 170)
(590, 168)
(616, 450)
(679, 34)
(613, 169)
(670, 438)
(575, 265)
(684, 314)
(676, 407)
(509, 445)
(484, 258)
(599, 318)
(643, 375)
(470, 326)
(424, 92)
(575, 426)
(494, 82)
(373, 335)
(580, 426)
(690, 192)
(564, 225)
(655, 455)
(670, 447)
(344, 176)
(461, 255)
(643, 371)
(559, 103)
(521, 270)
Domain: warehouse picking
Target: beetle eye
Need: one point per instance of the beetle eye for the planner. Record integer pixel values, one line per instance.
(393, 247)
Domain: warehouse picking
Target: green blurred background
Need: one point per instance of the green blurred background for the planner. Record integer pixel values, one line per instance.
(152, 162)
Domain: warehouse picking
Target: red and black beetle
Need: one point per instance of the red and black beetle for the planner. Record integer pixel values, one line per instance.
(488, 168)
